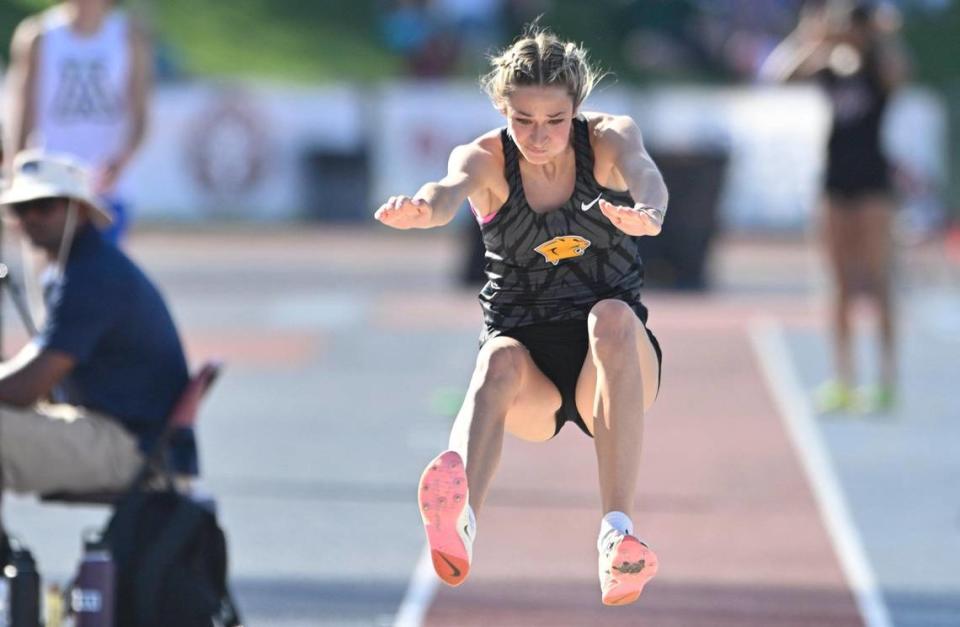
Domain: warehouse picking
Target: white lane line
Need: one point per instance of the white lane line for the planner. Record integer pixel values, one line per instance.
(420, 593)
(770, 345)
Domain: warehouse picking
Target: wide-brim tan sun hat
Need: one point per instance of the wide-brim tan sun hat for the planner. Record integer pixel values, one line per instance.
(37, 175)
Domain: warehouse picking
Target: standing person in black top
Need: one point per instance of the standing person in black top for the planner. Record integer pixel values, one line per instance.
(561, 197)
(856, 62)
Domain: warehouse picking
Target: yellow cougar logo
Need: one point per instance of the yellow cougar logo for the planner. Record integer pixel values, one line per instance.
(563, 247)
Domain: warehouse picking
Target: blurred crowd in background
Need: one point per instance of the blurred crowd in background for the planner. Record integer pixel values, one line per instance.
(710, 39)
(713, 40)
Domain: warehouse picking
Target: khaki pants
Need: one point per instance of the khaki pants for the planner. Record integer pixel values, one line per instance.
(53, 448)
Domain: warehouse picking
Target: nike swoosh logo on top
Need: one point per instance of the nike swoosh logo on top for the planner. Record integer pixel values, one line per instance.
(456, 571)
(586, 207)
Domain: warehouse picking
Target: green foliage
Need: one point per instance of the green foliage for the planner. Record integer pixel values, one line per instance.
(11, 13)
(934, 45)
(290, 39)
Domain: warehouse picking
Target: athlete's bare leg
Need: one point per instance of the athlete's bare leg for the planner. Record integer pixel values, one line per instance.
(507, 393)
(875, 215)
(842, 244)
(617, 385)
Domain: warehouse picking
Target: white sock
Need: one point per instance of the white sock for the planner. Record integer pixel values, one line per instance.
(614, 521)
(471, 522)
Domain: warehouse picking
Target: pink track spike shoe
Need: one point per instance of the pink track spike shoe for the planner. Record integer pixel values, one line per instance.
(626, 565)
(443, 498)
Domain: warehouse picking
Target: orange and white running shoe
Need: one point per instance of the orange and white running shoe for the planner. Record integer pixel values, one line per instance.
(626, 565)
(443, 498)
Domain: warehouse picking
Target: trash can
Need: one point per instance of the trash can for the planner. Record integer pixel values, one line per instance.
(337, 185)
(678, 257)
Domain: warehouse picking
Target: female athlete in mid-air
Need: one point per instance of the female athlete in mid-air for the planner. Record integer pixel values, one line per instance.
(561, 196)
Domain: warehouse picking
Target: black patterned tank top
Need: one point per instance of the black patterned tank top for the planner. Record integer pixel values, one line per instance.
(555, 266)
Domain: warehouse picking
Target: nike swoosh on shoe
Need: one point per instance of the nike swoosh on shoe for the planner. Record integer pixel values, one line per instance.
(443, 498)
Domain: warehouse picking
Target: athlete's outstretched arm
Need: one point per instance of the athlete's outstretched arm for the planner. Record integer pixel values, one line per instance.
(893, 61)
(141, 80)
(804, 51)
(20, 89)
(794, 59)
(642, 177)
(436, 203)
(138, 94)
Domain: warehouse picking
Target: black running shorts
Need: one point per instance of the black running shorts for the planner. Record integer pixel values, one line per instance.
(559, 350)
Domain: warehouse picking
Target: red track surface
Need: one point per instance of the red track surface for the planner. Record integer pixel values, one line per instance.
(723, 500)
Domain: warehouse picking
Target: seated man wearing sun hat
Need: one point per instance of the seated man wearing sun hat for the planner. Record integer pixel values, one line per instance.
(109, 352)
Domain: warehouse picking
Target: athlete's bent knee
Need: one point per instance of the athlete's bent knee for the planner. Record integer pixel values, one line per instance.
(613, 325)
(501, 364)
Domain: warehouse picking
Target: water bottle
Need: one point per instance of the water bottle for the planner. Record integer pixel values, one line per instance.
(91, 597)
(23, 582)
(53, 607)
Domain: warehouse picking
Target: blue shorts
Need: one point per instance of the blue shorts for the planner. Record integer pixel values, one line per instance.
(117, 231)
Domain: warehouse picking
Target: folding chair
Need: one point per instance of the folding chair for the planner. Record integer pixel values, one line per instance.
(183, 416)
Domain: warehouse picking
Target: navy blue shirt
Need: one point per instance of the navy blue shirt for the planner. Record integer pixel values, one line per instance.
(110, 318)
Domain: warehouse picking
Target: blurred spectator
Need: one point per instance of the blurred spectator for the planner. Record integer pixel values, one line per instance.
(167, 62)
(109, 352)
(413, 29)
(406, 26)
(475, 24)
(78, 85)
(748, 31)
(854, 56)
(737, 35)
(660, 38)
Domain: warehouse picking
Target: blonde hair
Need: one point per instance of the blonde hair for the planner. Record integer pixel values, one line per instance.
(540, 59)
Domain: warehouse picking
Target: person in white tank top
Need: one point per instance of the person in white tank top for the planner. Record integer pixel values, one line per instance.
(78, 85)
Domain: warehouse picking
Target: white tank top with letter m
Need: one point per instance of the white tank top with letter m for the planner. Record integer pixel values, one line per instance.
(83, 89)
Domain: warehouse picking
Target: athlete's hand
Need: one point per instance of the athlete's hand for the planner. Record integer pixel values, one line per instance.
(631, 220)
(403, 212)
